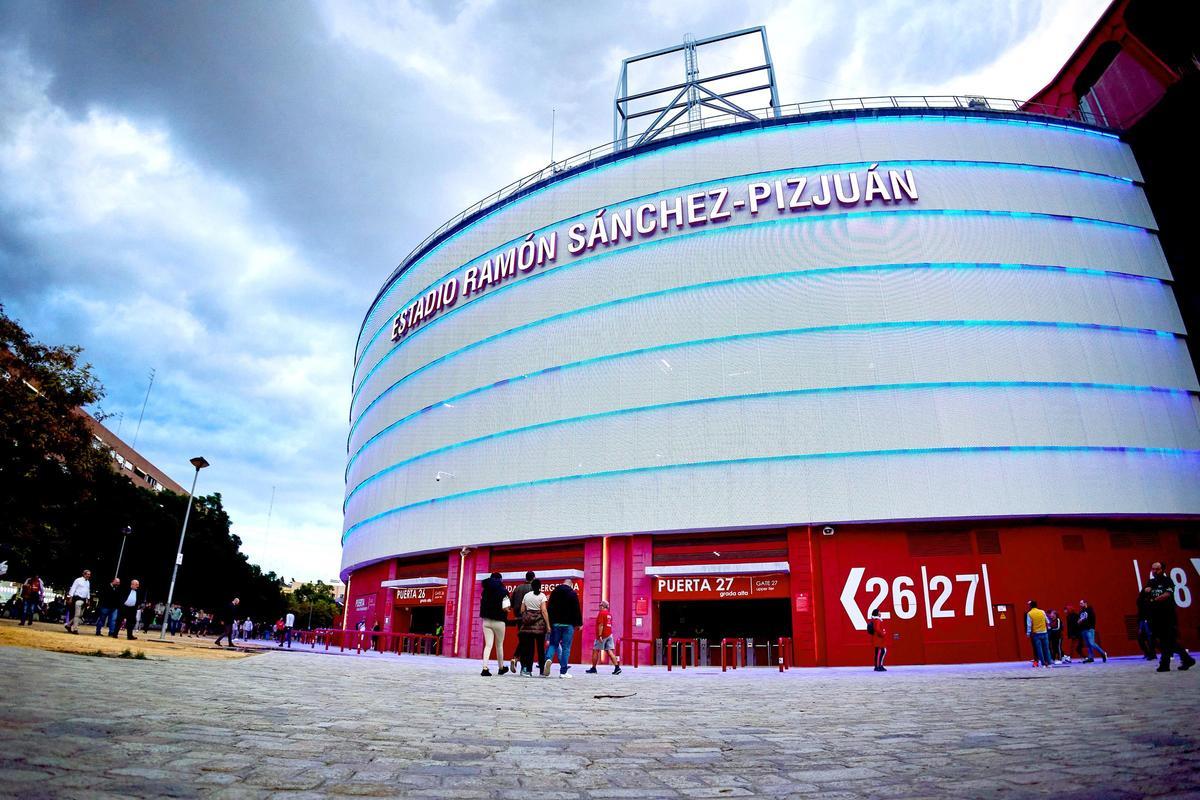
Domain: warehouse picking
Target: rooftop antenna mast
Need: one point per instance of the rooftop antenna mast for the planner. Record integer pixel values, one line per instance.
(667, 104)
(144, 402)
(691, 70)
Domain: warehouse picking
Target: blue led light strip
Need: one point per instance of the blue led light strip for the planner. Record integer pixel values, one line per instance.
(1168, 451)
(597, 259)
(874, 387)
(802, 274)
(587, 214)
(509, 203)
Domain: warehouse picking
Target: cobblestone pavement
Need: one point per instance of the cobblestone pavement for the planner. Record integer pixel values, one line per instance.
(301, 725)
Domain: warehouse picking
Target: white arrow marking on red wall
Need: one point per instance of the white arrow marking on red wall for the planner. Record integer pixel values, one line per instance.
(848, 592)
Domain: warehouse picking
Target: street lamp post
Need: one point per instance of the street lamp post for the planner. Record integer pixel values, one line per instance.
(199, 463)
(124, 535)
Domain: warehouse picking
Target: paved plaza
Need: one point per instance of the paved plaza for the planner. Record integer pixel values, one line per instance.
(299, 725)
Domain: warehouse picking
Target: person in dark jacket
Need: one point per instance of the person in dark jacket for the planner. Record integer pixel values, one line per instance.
(494, 603)
(227, 623)
(1163, 619)
(110, 607)
(1087, 629)
(518, 594)
(565, 617)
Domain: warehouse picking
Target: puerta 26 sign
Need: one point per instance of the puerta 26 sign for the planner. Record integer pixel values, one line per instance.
(724, 205)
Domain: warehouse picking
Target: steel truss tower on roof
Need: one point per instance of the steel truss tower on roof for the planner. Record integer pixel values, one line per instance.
(695, 93)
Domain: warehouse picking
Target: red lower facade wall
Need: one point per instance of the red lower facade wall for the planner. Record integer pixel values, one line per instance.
(949, 593)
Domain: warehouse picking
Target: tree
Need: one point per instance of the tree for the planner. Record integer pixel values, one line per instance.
(63, 506)
(49, 460)
(313, 600)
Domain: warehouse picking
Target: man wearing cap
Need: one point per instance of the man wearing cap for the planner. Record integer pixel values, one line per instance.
(1163, 622)
(604, 640)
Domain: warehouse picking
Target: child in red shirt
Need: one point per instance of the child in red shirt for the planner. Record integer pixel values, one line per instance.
(879, 639)
(604, 639)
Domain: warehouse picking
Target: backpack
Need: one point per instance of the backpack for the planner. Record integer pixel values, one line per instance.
(870, 627)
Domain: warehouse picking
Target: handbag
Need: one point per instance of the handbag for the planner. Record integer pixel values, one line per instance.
(505, 603)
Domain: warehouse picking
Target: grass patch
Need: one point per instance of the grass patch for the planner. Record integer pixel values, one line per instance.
(126, 653)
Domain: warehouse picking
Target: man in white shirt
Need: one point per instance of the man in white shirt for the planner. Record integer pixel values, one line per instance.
(81, 592)
(288, 622)
(129, 609)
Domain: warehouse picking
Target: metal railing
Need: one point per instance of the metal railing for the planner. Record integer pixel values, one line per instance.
(939, 103)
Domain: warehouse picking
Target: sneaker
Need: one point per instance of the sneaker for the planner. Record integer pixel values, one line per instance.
(591, 671)
(487, 673)
(1089, 661)
(617, 671)
(525, 674)
(504, 670)
(1104, 658)
(546, 668)
(512, 666)
(1165, 668)
(1187, 665)
(566, 675)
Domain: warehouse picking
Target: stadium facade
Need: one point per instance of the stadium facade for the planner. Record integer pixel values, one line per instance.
(761, 379)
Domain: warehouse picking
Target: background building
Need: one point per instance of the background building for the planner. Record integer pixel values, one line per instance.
(762, 376)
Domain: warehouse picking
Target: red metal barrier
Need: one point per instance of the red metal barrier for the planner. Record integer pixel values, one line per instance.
(630, 645)
(739, 651)
(691, 644)
(785, 653)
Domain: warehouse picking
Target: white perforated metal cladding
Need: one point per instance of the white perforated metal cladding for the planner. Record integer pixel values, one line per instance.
(887, 366)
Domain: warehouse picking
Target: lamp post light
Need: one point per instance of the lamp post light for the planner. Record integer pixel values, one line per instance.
(124, 535)
(199, 463)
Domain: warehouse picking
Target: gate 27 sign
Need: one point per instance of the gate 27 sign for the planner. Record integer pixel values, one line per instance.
(721, 587)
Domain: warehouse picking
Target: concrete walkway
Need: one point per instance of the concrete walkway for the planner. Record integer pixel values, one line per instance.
(299, 725)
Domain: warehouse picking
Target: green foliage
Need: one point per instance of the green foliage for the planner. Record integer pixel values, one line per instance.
(317, 599)
(63, 507)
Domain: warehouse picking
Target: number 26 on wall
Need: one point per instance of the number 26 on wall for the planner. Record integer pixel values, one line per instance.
(938, 596)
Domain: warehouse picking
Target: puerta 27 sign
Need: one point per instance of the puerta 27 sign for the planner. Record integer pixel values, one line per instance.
(721, 587)
(724, 205)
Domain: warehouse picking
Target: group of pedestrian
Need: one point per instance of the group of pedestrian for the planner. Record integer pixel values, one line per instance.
(538, 616)
(1044, 629)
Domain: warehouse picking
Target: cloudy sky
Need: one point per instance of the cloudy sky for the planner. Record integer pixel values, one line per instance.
(217, 190)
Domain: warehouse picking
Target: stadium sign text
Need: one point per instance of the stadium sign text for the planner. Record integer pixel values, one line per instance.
(748, 202)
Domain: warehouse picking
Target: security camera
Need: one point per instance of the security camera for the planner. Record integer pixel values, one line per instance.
(438, 477)
(827, 530)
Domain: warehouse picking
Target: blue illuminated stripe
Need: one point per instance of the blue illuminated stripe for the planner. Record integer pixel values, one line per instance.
(712, 232)
(742, 336)
(802, 274)
(1168, 451)
(743, 176)
(799, 122)
(754, 396)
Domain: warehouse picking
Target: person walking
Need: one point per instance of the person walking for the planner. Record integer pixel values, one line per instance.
(1145, 634)
(128, 611)
(77, 597)
(565, 617)
(532, 628)
(31, 599)
(604, 640)
(494, 603)
(1164, 621)
(110, 606)
(1087, 630)
(1038, 631)
(289, 622)
(176, 623)
(230, 617)
(517, 596)
(879, 640)
(247, 629)
(1055, 627)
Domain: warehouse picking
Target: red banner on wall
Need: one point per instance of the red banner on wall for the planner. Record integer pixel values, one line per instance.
(421, 596)
(721, 587)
